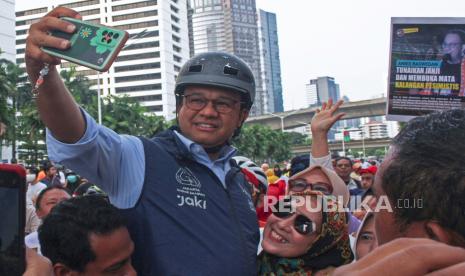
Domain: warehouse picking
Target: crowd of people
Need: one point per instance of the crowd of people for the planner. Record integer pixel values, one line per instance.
(184, 203)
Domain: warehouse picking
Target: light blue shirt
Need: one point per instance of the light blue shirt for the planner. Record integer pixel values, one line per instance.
(116, 163)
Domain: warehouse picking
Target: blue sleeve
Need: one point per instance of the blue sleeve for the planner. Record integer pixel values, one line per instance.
(114, 162)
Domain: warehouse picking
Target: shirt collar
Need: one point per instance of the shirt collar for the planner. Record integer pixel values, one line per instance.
(195, 149)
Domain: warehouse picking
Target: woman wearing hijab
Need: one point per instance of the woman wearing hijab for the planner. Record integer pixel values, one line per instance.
(318, 178)
(365, 241)
(302, 239)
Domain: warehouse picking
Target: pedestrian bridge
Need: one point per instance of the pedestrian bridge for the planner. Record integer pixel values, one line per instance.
(301, 117)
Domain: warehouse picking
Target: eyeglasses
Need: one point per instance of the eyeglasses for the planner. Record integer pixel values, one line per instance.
(302, 224)
(197, 102)
(300, 185)
(343, 166)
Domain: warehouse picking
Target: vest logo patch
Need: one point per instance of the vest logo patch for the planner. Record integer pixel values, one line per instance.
(189, 193)
(192, 201)
(185, 177)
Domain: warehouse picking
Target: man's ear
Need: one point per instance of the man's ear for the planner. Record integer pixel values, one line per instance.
(438, 233)
(60, 269)
(243, 116)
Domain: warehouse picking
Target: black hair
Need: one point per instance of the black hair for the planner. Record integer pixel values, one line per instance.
(34, 170)
(277, 172)
(64, 234)
(427, 165)
(82, 188)
(299, 163)
(344, 158)
(48, 166)
(44, 191)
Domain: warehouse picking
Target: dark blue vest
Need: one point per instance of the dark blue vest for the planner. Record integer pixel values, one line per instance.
(185, 222)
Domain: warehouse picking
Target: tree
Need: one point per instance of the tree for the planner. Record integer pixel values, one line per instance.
(120, 113)
(261, 143)
(26, 132)
(5, 118)
(298, 139)
(250, 142)
(125, 115)
(31, 135)
(79, 86)
(13, 97)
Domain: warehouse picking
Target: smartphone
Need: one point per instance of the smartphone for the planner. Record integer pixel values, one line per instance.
(92, 45)
(13, 217)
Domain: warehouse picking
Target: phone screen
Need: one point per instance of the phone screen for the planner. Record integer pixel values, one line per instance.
(11, 226)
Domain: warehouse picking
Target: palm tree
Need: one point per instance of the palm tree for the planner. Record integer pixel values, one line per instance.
(10, 99)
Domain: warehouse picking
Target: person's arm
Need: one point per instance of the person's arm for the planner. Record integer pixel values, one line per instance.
(116, 163)
(56, 106)
(408, 256)
(321, 123)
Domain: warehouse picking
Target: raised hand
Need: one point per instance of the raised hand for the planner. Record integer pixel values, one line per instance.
(321, 123)
(325, 117)
(57, 108)
(39, 36)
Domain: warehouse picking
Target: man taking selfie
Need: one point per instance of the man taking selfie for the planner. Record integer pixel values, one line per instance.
(188, 206)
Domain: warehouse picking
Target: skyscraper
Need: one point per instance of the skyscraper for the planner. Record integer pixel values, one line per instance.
(270, 63)
(147, 67)
(229, 26)
(7, 29)
(7, 45)
(325, 88)
(311, 93)
(320, 90)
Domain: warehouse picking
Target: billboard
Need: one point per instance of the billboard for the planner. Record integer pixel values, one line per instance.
(427, 66)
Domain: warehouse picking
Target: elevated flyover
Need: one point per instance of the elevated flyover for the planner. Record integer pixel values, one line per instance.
(296, 118)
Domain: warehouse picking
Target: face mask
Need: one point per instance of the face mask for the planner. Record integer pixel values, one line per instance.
(30, 178)
(71, 178)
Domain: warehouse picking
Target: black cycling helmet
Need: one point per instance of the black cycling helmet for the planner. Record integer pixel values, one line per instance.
(218, 69)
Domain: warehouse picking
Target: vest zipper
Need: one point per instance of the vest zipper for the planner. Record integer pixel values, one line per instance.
(233, 208)
(235, 218)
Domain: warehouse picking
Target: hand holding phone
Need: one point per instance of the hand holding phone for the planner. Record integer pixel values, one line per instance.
(92, 45)
(13, 216)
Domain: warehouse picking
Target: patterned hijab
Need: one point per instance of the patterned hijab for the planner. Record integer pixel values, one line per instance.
(331, 248)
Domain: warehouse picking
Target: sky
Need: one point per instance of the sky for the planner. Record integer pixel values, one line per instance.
(347, 40)
(344, 39)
